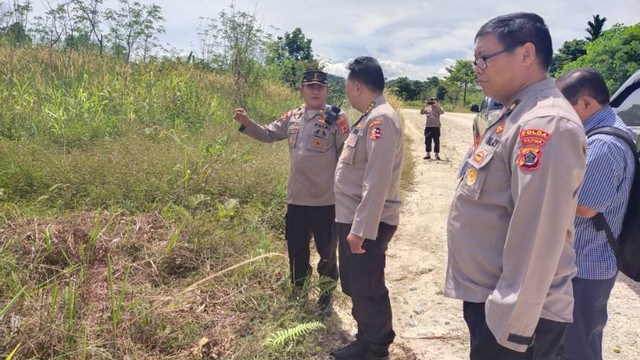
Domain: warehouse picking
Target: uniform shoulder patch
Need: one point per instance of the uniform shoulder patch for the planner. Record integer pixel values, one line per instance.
(375, 129)
(342, 124)
(286, 116)
(530, 157)
(375, 122)
(375, 132)
(535, 137)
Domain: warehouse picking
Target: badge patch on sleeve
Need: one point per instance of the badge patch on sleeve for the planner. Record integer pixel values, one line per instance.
(342, 124)
(534, 137)
(375, 123)
(530, 157)
(375, 133)
(285, 116)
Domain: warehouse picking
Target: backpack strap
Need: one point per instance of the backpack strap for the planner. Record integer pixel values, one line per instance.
(599, 221)
(617, 132)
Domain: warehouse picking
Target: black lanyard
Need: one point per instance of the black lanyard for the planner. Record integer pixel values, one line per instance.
(354, 126)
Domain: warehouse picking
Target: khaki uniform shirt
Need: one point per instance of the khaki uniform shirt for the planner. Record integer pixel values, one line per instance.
(368, 172)
(510, 228)
(433, 115)
(314, 147)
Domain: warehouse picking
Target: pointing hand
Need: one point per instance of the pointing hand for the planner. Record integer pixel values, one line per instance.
(240, 115)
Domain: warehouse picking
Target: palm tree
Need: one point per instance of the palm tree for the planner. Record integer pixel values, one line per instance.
(595, 27)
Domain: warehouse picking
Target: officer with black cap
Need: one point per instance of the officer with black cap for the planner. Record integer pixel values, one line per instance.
(316, 133)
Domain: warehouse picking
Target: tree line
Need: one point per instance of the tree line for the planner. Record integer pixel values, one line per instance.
(129, 30)
(615, 53)
(233, 42)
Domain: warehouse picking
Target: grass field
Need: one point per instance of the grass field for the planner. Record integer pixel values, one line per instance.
(136, 222)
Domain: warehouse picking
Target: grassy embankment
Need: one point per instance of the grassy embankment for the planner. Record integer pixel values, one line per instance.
(123, 186)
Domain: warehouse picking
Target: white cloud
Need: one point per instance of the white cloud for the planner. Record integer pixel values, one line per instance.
(412, 38)
(338, 69)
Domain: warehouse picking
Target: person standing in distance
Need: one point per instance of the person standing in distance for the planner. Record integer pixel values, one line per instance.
(510, 228)
(605, 191)
(368, 209)
(432, 109)
(315, 141)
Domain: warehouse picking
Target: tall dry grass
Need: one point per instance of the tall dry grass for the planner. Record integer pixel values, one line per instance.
(120, 186)
(123, 186)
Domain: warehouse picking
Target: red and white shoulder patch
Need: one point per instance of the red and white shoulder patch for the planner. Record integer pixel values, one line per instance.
(286, 116)
(534, 137)
(375, 131)
(342, 123)
(533, 140)
(530, 157)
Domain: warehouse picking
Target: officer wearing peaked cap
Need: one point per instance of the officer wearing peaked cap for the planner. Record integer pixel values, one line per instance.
(315, 133)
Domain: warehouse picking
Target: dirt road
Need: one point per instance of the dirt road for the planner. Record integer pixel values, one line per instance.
(427, 324)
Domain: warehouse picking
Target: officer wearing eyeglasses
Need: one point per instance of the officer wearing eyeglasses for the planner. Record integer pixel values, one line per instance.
(510, 228)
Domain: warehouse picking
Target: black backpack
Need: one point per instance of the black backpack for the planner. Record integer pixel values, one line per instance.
(627, 247)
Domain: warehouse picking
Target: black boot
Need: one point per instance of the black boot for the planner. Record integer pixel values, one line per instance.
(371, 356)
(377, 352)
(438, 157)
(356, 350)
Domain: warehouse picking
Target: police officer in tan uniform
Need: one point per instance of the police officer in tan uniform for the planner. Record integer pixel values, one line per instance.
(315, 137)
(510, 229)
(368, 208)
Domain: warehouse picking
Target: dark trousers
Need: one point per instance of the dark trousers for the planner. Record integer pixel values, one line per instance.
(547, 338)
(301, 223)
(583, 340)
(362, 278)
(432, 134)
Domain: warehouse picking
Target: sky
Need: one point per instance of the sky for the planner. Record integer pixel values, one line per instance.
(412, 38)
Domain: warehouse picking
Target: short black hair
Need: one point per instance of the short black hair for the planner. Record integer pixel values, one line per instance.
(366, 70)
(583, 81)
(516, 29)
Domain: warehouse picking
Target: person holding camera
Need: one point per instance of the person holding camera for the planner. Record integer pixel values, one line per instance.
(432, 109)
(316, 133)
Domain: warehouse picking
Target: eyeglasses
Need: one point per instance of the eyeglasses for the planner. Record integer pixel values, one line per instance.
(481, 63)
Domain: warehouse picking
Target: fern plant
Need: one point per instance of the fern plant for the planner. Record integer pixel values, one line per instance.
(281, 337)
